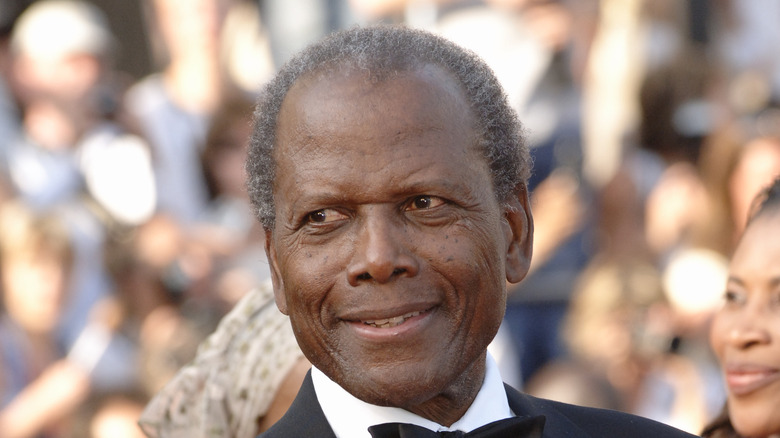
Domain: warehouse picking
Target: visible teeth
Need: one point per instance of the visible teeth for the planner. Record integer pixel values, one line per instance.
(391, 322)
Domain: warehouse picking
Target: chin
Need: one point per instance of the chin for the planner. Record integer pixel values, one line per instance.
(756, 427)
(395, 386)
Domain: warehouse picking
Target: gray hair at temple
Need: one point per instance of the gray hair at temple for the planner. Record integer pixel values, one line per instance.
(385, 50)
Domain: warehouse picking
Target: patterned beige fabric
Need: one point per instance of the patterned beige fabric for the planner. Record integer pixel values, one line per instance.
(233, 378)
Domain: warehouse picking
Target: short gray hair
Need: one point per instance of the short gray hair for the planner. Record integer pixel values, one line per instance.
(384, 50)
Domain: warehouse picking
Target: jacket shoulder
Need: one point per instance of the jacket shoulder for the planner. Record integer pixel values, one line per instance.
(579, 421)
(304, 418)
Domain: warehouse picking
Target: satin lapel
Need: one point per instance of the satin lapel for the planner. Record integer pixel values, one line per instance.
(304, 418)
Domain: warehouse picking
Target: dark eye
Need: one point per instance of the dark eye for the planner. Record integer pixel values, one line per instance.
(425, 202)
(733, 298)
(318, 216)
(323, 216)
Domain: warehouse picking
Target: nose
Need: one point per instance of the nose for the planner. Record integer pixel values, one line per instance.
(748, 330)
(381, 251)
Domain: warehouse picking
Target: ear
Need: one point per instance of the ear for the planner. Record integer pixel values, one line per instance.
(276, 277)
(519, 232)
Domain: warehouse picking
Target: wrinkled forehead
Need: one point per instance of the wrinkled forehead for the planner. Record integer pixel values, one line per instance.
(355, 88)
(347, 112)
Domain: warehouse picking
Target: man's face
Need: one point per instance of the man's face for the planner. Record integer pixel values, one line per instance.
(390, 251)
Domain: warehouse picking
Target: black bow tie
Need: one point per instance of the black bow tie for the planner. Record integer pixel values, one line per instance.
(515, 427)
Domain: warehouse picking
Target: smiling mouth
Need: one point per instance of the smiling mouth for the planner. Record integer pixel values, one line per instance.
(742, 382)
(392, 322)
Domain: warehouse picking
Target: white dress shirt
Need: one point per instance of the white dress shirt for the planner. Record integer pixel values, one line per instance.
(350, 417)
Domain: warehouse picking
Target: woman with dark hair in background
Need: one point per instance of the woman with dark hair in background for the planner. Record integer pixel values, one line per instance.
(746, 331)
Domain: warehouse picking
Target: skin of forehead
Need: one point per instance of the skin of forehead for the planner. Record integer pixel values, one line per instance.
(321, 85)
(761, 238)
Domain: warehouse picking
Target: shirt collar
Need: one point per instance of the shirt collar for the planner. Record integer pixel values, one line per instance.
(350, 417)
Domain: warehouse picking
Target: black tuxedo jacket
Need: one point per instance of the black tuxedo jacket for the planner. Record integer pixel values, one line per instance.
(305, 419)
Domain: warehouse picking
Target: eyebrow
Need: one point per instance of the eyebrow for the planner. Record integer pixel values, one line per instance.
(404, 188)
(773, 282)
(732, 279)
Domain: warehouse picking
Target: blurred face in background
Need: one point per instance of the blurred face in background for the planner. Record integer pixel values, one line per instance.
(190, 25)
(117, 418)
(33, 290)
(59, 53)
(746, 331)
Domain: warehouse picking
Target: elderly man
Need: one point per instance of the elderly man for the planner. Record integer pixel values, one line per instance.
(389, 174)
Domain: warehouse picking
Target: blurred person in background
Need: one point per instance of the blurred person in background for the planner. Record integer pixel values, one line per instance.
(293, 24)
(52, 78)
(39, 385)
(649, 214)
(685, 187)
(152, 300)
(10, 119)
(61, 68)
(204, 62)
(623, 354)
(114, 415)
(746, 331)
(679, 120)
(74, 156)
(228, 215)
(745, 38)
(173, 108)
(652, 214)
(738, 161)
(227, 228)
(111, 414)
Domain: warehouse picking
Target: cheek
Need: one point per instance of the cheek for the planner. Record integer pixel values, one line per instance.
(484, 252)
(307, 274)
(466, 256)
(719, 332)
(306, 288)
(480, 274)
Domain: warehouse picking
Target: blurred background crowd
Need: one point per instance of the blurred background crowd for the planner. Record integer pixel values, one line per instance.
(126, 235)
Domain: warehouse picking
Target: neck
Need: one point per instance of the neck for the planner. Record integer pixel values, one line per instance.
(451, 404)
